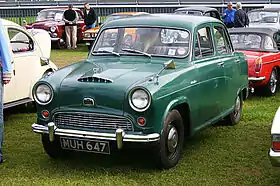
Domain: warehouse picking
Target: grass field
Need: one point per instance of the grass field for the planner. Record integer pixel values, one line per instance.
(218, 155)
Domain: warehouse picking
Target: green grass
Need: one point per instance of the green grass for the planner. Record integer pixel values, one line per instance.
(218, 155)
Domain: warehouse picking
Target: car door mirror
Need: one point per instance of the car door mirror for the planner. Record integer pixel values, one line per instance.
(44, 61)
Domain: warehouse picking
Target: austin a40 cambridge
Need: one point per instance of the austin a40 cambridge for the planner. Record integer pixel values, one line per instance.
(152, 79)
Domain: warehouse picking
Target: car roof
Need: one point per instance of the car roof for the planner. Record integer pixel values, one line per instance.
(197, 8)
(130, 13)
(4, 22)
(162, 20)
(59, 8)
(259, 30)
(266, 9)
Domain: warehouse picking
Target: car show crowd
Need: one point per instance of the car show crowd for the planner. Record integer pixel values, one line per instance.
(143, 94)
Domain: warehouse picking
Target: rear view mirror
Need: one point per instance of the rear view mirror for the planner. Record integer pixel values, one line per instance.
(44, 61)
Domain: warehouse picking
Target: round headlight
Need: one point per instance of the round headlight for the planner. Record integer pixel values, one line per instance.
(43, 94)
(52, 29)
(87, 35)
(140, 100)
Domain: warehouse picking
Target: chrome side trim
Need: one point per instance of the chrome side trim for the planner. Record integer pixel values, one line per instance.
(119, 135)
(256, 78)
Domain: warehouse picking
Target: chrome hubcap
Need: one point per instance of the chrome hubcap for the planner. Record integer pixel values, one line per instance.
(237, 107)
(273, 82)
(172, 140)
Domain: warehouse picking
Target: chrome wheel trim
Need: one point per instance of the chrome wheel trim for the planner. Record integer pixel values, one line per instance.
(273, 82)
(237, 107)
(172, 140)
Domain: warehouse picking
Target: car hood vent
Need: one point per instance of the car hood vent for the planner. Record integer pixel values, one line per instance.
(95, 79)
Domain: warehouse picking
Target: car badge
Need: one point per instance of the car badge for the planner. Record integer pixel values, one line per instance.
(89, 102)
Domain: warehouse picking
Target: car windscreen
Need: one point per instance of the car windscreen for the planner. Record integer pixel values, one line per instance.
(189, 12)
(152, 41)
(252, 41)
(50, 15)
(263, 17)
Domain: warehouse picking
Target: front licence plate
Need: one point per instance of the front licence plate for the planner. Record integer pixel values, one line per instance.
(86, 145)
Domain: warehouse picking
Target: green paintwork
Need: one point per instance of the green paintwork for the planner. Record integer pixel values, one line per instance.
(207, 92)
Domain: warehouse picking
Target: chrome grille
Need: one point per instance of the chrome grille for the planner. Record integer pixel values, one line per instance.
(92, 121)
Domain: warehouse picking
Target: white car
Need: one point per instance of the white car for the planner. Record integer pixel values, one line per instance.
(30, 50)
(274, 151)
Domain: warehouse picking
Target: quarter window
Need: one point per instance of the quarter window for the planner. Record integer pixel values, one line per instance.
(20, 42)
(204, 44)
(222, 42)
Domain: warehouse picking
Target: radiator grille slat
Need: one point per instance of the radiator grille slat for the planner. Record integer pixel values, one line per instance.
(92, 121)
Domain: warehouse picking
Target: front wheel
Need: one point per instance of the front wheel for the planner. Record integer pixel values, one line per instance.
(235, 116)
(170, 147)
(53, 148)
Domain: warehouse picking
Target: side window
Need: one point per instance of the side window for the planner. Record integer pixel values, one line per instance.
(277, 39)
(20, 42)
(204, 44)
(222, 42)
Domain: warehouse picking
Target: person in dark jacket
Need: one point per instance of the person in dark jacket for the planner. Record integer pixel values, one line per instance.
(240, 17)
(70, 18)
(90, 16)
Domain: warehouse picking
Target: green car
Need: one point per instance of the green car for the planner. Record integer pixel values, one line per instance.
(152, 79)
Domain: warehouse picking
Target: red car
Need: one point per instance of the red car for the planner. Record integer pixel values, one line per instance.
(261, 46)
(51, 21)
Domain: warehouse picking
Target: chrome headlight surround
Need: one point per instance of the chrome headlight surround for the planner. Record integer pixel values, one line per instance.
(53, 29)
(139, 94)
(43, 88)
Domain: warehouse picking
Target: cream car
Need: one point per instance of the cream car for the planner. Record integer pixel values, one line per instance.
(30, 50)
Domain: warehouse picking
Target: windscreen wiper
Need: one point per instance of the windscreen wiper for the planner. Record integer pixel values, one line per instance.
(106, 51)
(136, 51)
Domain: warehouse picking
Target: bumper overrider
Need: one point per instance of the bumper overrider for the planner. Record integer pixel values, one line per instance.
(274, 157)
(256, 79)
(119, 136)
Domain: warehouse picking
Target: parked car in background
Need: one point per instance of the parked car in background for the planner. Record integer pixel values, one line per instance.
(30, 51)
(261, 46)
(51, 21)
(168, 82)
(200, 11)
(274, 151)
(90, 35)
(264, 17)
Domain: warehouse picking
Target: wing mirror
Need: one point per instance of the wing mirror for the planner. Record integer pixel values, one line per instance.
(24, 22)
(44, 61)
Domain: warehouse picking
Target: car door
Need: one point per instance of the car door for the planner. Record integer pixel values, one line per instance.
(211, 72)
(26, 57)
(231, 65)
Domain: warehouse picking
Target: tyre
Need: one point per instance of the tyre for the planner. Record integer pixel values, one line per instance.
(270, 88)
(234, 117)
(53, 149)
(59, 44)
(170, 147)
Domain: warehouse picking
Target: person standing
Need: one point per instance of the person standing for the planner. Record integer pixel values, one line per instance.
(228, 15)
(240, 17)
(90, 16)
(70, 18)
(5, 77)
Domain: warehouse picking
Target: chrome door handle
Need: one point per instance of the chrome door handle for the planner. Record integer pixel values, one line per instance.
(236, 60)
(220, 64)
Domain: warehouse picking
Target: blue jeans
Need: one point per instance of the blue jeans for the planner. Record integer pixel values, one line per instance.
(90, 26)
(1, 114)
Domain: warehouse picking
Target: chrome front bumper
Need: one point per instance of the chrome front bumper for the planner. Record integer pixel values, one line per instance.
(274, 158)
(119, 136)
(256, 79)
